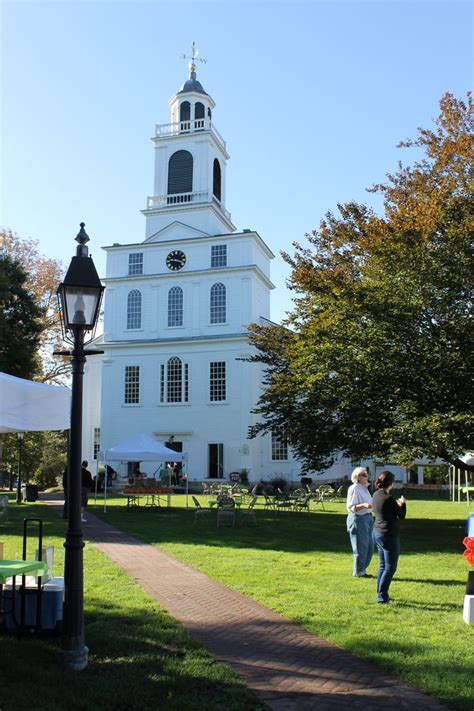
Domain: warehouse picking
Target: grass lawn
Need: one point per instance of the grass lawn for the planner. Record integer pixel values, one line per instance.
(300, 565)
(140, 658)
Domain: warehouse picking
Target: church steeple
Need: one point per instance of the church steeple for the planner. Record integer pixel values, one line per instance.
(190, 163)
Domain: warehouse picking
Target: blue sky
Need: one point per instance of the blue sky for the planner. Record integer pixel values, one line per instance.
(311, 98)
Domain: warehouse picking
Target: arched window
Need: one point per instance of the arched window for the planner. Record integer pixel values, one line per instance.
(185, 111)
(134, 309)
(218, 303)
(180, 173)
(199, 111)
(216, 179)
(174, 381)
(199, 116)
(175, 306)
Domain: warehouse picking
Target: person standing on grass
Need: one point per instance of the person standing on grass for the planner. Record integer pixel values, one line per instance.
(360, 522)
(388, 513)
(87, 484)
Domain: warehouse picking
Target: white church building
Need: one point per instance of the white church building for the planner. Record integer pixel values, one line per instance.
(176, 310)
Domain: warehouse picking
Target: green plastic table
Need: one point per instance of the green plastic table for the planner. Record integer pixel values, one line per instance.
(10, 568)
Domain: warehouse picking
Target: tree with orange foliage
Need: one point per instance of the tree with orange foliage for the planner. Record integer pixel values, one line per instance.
(376, 358)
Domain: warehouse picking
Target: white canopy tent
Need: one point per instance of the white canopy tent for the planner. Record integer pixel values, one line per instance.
(140, 448)
(27, 406)
(464, 464)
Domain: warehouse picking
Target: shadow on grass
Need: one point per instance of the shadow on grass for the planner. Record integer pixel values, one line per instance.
(149, 662)
(429, 581)
(283, 531)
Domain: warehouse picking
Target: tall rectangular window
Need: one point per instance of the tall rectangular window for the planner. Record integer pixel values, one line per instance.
(175, 306)
(215, 469)
(217, 381)
(279, 447)
(218, 304)
(135, 263)
(96, 442)
(132, 384)
(218, 255)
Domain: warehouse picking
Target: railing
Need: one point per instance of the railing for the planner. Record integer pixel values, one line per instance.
(174, 129)
(177, 199)
(184, 198)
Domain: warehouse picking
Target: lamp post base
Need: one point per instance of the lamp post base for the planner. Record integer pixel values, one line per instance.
(75, 659)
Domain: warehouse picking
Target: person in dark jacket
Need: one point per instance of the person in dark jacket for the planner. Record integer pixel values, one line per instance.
(86, 486)
(388, 513)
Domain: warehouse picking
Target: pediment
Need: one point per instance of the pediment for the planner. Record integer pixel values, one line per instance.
(176, 230)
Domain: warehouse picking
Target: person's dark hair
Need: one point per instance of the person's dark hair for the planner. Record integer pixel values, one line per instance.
(385, 479)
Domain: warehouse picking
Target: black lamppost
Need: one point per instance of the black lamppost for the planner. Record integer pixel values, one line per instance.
(20, 436)
(79, 295)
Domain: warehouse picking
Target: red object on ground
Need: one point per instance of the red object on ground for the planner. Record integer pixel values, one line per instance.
(469, 552)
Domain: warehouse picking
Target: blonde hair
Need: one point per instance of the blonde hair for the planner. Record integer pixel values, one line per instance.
(358, 471)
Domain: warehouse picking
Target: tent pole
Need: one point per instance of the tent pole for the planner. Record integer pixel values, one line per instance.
(105, 487)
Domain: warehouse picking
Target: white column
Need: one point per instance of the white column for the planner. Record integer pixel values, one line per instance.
(420, 473)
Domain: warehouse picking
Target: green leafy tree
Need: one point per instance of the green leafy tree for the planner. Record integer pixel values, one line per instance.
(43, 277)
(21, 323)
(44, 457)
(376, 358)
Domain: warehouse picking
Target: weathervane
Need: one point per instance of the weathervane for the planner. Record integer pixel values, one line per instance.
(193, 58)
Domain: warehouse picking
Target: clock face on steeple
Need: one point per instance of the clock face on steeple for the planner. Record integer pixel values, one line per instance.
(176, 260)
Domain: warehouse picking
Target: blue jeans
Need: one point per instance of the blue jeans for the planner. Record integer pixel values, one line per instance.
(360, 533)
(389, 551)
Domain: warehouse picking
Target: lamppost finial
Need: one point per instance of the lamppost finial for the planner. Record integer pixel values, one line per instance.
(82, 238)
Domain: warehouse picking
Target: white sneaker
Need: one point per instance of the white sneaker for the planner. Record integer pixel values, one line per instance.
(83, 519)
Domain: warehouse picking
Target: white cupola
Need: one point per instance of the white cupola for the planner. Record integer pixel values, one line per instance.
(190, 165)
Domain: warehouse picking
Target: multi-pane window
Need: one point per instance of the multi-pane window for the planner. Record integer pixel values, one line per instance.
(174, 381)
(96, 442)
(219, 255)
(218, 303)
(135, 263)
(132, 384)
(134, 309)
(217, 381)
(175, 306)
(279, 446)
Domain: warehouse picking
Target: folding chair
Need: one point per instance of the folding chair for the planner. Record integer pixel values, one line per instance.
(200, 512)
(226, 511)
(248, 514)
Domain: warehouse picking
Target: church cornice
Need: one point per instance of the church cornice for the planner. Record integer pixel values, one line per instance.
(183, 208)
(221, 271)
(199, 238)
(151, 342)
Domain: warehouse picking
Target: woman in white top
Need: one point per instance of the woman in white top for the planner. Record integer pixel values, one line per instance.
(359, 521)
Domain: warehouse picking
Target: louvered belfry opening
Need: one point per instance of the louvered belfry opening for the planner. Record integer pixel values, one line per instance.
(180, 176)
(199, 112)
(185, 111)
(216, 182)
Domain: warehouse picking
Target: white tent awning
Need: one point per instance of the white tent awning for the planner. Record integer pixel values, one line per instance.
(27, 406)
(141, 448)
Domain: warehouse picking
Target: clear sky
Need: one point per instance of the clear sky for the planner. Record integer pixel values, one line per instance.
(311, 98)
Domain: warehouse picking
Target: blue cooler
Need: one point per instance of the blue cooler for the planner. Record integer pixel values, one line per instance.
(470, 526)
(51, 605)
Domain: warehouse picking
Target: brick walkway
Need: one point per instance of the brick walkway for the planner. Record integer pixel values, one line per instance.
(285, 666)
